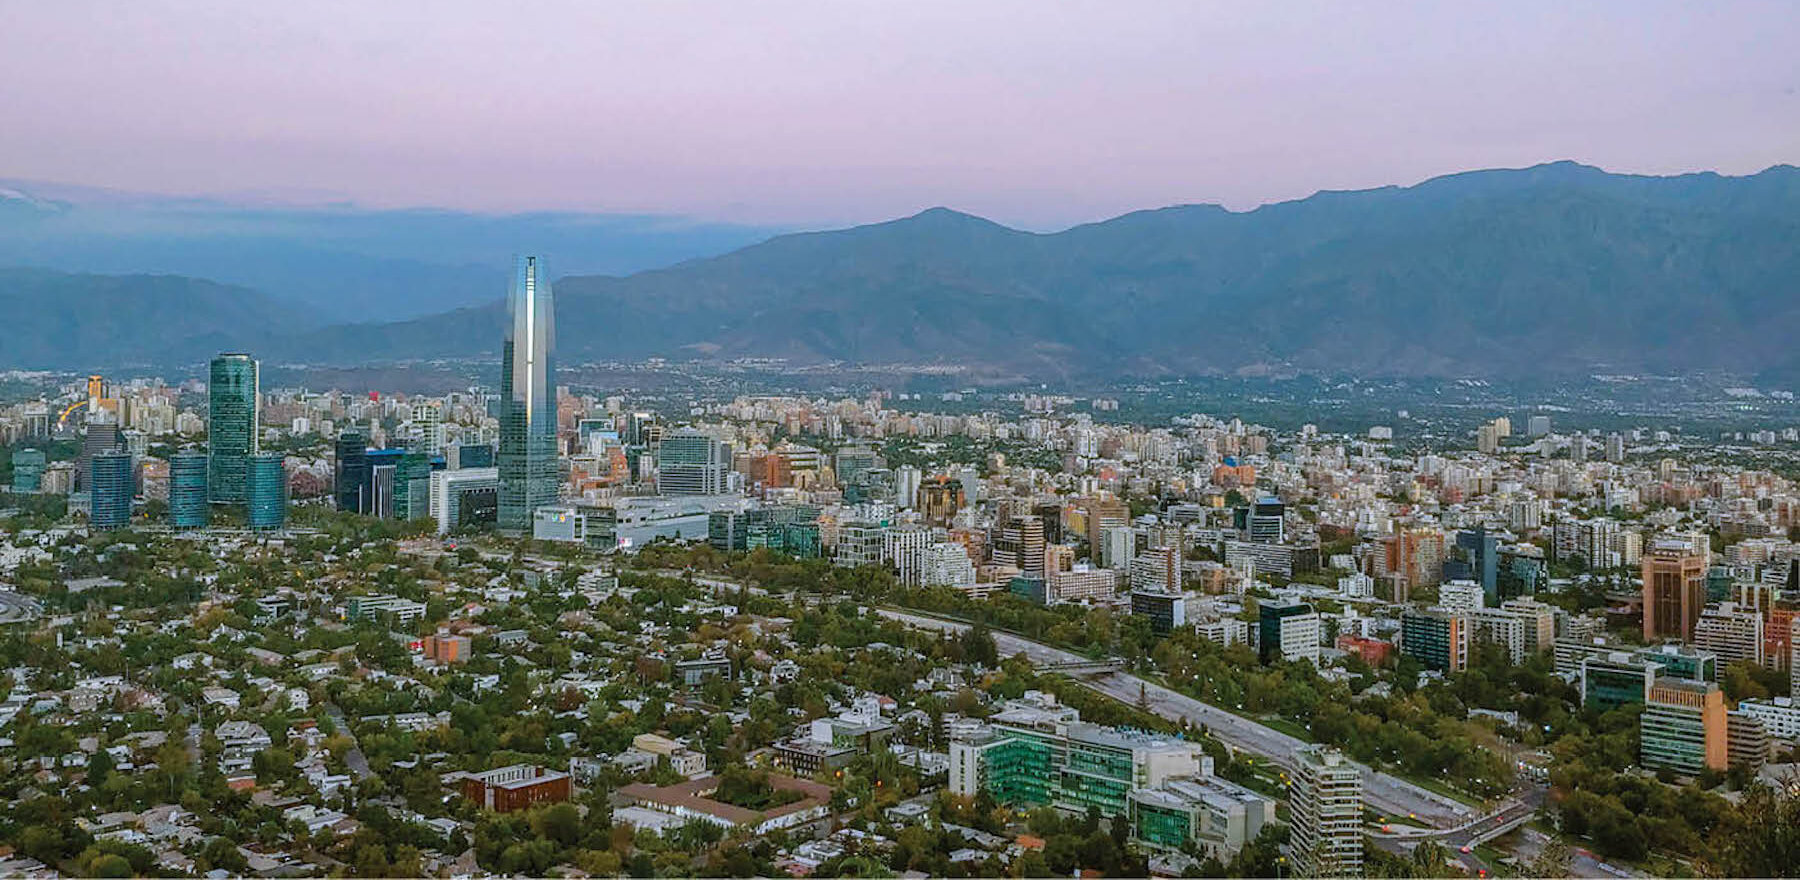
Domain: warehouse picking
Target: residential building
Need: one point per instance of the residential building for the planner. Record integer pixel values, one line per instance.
(1325, 814)
(1437, 639)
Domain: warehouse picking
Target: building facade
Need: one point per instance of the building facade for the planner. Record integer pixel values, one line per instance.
(233, 401)
(527, 459)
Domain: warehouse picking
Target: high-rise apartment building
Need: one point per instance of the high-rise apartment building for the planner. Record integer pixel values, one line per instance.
(1325, 803)
(1732, 632)
(1674, 576)
(233, 408)
(527, 459)
(1437, 639)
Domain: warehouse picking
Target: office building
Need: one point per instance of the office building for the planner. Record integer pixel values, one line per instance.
(692, 463)
(1615, 679)
(1035, 752)
(1437, 639)
(267, 491)
(1287, 632)
(1206, 813)
(1684, 727)
(474, 455)
(1166, 612)
(110, 490)
(188, 504)
(528, 456)
(412, 485)
(351, 475)
(1674, 578)
(234, 409)
(28, 470)
(1265, 521)
(463, 497)
(99, 437)
(1325, 814)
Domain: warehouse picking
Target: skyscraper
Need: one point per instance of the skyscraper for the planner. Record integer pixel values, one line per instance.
(232, 404)
(266, 491)
(350, 480)
(527, 457)
(1674, 590)
(110, 489)
(187, 490)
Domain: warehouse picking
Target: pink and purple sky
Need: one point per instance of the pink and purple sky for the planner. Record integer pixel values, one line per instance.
(1039, 114)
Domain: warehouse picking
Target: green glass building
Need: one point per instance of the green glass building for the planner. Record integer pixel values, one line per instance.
(412, 486)
(231, 426)
(187, 490)
(28, 470)
(267, 492)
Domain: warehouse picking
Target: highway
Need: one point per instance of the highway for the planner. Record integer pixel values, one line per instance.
(1381, 791)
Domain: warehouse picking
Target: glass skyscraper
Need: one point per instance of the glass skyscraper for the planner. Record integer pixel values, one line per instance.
(266, 489)
(187, 490)
(350, 483)
(232, 402)
(110, 489)
(527, 460)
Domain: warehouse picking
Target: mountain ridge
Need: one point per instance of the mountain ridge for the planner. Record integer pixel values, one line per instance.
(1558, 268)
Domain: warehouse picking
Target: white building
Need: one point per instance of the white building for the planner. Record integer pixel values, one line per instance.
(1325, 814)
(1462, 597)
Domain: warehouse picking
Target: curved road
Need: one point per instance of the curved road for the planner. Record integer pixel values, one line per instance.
(18, 608)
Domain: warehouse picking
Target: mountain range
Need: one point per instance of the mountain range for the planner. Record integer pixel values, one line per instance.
(1558, 269)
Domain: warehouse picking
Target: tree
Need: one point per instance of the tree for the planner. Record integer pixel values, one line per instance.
(1761, 838)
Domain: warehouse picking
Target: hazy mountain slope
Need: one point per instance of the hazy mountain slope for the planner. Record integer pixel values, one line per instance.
(1559, 268)
(55, 319)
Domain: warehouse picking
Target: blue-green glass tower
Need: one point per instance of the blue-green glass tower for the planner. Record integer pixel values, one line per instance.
(28, 470)
(527, 460)
(111, 491)
(232, 402)
(187, 490)
(267, 491)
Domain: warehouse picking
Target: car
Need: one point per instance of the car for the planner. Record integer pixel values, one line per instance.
(1467, 848)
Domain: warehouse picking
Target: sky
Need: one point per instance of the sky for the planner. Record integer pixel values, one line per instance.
(1038, 114)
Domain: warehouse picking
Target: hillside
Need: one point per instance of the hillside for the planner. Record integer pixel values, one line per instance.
(1559, 269)
(56, 319)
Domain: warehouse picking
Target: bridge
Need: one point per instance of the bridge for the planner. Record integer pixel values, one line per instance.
(1082, 667)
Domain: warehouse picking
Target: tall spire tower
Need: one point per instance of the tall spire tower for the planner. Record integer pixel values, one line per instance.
(527, 460)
